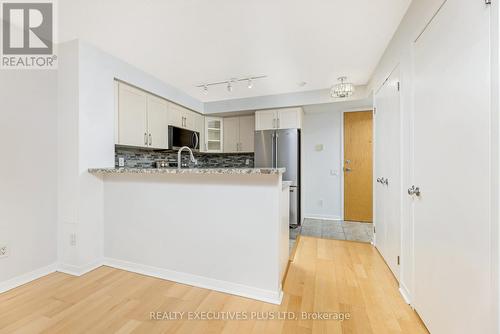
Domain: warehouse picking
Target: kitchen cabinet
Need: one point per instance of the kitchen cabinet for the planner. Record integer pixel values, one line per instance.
(181, 117)
(142, 118)
(239, 134)
(231, 134)
(157, 122)
(214, 134)
(247, 133)
(286, 118)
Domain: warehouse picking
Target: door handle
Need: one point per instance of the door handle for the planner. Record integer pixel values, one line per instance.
(150, 140)
(145, 138)
(414, 191)
(347, 169)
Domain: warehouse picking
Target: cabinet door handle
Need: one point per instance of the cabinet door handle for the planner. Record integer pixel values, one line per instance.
(150, 140)
(278, 123)
(145, 138)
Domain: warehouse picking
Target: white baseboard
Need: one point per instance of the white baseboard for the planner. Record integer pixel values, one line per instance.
(405, 293)
(268, 296)
(323, 217)
(26, 278)
(78, 270)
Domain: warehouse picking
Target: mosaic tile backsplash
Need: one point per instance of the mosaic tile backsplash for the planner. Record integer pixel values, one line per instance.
(141, 158)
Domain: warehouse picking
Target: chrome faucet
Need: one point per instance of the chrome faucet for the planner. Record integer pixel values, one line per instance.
(193, 160)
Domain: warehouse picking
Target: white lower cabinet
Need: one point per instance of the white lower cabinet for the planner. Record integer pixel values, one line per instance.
(142, 118)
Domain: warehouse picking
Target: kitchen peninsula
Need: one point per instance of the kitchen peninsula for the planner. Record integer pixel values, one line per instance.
(224, 229)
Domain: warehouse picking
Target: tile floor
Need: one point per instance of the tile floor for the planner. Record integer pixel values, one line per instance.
(329, 229)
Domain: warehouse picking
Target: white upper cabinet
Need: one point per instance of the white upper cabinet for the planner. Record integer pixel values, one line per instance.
(286, 118)
(290, 118)
(266, 119)
(157, 122)
(231, 134)
(181, 117)
(247, 133)
(239, 134)
(189, 119)
(132, 116)
(214, 134)
(175, 115)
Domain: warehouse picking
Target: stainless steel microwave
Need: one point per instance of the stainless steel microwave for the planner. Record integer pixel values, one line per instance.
(179, 137)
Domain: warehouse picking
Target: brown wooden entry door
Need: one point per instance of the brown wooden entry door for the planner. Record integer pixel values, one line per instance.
(358, 166)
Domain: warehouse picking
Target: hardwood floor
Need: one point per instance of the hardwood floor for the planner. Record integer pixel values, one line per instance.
(325, 276)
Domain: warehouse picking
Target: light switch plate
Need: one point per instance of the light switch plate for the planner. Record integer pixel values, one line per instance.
(319, 147)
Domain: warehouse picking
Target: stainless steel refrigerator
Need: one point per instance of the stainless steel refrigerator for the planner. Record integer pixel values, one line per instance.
(281, 148)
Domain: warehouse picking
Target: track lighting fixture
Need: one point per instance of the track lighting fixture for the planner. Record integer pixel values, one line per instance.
(231, 82)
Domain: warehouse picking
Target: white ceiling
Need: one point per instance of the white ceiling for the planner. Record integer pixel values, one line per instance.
(190, 42)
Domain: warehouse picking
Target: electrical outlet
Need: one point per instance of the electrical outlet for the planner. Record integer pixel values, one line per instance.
(4, 251)
(121, 162)
(72, 239)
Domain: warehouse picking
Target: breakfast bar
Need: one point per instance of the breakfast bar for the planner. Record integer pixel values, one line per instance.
(224, 229)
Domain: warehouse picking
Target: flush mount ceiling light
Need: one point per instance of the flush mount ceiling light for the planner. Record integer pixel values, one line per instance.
(231, 83)
(343, 89)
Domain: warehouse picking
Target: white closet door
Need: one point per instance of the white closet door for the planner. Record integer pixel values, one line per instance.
(388, 166)
(452, 166)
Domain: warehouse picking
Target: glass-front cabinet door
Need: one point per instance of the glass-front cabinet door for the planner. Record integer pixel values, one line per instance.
(213, 134)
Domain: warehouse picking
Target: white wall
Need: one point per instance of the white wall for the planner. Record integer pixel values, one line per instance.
(28, 171)
(86, 104)
(322, 170)
(312, 97)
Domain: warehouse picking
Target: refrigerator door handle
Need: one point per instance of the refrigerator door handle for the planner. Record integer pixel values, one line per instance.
(276, 136)
(273, 147)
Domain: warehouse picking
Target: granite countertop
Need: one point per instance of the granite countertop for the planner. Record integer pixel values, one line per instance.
(212, 171)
